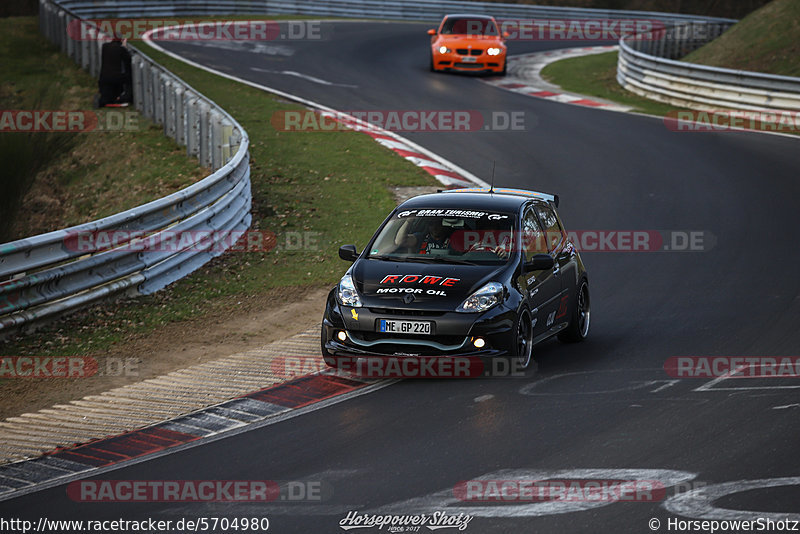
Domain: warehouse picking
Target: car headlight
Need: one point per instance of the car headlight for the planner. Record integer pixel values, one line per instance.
(444, 50)
(486, 297)
(347, 293)
(494, 51)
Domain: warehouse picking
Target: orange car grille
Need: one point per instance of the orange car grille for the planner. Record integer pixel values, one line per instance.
(469, 52)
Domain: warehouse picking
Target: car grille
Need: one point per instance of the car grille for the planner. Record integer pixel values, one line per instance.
(469, 65)
(407, 313)
(382, 336)
(469, 52)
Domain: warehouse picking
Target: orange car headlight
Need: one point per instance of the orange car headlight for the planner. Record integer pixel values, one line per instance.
(444, 50)
(494, 51)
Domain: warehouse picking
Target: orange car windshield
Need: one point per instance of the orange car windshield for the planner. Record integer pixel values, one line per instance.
(456, 26)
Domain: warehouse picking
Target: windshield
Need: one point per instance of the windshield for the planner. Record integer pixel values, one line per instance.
(446, 236)
(460, 26)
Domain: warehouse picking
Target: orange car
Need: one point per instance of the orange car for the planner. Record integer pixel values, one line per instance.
(468, 43)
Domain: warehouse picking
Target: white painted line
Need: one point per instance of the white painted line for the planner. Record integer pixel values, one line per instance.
(304, 77)
(394, 145)
(426, 163)
(709, 386)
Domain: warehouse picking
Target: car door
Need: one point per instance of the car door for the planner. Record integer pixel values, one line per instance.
(563, 252)
(542, 288)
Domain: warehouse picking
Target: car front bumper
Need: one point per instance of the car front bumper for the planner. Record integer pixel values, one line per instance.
(454, 333)
(456, 62)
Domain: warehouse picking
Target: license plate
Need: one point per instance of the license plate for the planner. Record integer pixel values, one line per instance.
(404, 327)
(469, 59)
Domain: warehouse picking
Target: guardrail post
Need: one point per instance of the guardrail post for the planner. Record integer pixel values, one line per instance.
(83, 44)
(95, 54)
(191, 124)
(215, 121)
(227, 135)
(160, 94)
(180, 115)
(147, 90)
(137, 65)
(170, 110)
(69, 42)
(204, 122)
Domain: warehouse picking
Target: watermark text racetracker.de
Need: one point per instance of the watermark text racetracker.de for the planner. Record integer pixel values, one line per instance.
(67, 121)
(562, 490)
(174, 241)
(733, 366)
(399, 120)
(592, 30)
(121, 491)
(587, 240)
(574, 29)
(399, 366)
(32, 367)
(777, 121)
(195, 30)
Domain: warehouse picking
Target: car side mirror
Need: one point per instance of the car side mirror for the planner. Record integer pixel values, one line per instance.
(506, 35)
(348, 252)
(540, 262)
(431, 32)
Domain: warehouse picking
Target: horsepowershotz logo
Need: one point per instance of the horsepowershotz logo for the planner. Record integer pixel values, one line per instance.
(407, 522)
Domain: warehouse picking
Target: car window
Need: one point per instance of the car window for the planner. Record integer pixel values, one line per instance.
(459, 26)
(452, 235)
(552, 228)
(533, 239)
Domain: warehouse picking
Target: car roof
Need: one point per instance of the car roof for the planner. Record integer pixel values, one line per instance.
(468, 16)
(502, 200)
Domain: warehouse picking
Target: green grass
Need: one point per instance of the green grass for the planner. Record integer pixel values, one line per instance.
(333, 185)
(767, 40)
(596, 75)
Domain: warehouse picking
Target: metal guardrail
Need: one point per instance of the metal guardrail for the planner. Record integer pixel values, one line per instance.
(44, 276)
(376, 9)
(648, 66)
(41, 277)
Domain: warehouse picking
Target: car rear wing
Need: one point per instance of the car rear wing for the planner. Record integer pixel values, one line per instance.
(506, 191)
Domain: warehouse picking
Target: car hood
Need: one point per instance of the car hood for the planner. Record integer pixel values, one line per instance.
(433, 285)
(466, 40)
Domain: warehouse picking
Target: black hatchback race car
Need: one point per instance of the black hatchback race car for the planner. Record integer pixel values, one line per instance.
(467, 272)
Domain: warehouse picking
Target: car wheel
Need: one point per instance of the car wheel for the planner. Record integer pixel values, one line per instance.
(503, 72)
(431, 64)
(523, 341)
(578, 328)
(329, 358)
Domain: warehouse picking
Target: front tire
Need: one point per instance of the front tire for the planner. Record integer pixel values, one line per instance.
(522, 351)
(578, 328)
